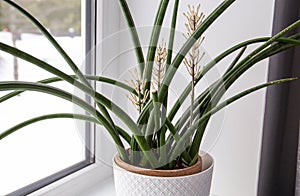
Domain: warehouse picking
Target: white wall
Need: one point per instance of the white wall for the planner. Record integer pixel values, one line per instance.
(237, 150)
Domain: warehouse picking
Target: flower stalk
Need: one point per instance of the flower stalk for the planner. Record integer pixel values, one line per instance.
(192, 61)
(137, 97)
(158, 71)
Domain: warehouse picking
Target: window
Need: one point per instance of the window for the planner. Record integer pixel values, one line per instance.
(46, 151)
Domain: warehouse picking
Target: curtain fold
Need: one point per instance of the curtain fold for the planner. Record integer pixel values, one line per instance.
(278, 165)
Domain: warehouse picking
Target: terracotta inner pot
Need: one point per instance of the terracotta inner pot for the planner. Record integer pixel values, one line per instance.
(196, 168)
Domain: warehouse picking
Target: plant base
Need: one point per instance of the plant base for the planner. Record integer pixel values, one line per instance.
(145, 182)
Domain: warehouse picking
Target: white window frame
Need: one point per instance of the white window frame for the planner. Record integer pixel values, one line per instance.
(106, 21)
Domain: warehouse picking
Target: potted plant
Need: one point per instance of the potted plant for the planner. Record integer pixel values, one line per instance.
(163, 157)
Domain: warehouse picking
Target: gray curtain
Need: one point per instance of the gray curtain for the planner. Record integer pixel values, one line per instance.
(278, 166)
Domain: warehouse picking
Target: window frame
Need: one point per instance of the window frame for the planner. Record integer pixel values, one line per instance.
(105, 19)
(88, 18)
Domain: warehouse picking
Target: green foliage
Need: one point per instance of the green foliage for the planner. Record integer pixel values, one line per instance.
(3, 24)
(57, 16)
(157, 140)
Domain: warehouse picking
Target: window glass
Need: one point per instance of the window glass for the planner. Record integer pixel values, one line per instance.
(44, 148)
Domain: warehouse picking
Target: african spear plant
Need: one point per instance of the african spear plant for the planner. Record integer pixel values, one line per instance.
(156, 139)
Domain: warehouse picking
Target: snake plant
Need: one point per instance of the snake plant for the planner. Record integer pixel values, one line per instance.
(156, 139)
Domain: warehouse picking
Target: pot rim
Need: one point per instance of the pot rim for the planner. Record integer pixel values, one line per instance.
(196, 169)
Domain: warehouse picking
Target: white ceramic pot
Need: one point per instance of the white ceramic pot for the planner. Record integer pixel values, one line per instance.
(133, 184)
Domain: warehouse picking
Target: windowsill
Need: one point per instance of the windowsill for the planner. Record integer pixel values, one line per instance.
(88, 182)
(92, 180)
(104, 188)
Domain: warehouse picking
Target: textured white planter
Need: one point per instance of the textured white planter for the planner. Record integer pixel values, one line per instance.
(132, 184)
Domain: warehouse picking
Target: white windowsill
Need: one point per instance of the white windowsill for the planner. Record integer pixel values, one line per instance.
(104, 188)
(87, 182)
(93, 180)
